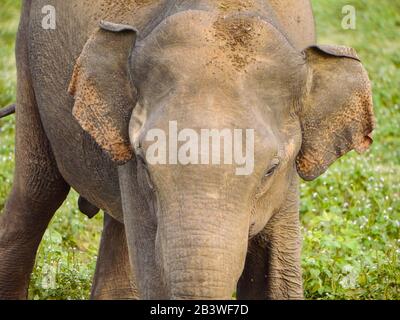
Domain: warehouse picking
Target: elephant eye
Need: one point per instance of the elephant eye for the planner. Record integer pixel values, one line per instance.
(274, 165)
(145, 172)
(148, 179)
(140, 155)
(265, 181)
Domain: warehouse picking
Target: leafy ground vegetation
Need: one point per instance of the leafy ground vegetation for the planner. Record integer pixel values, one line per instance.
(350, 216)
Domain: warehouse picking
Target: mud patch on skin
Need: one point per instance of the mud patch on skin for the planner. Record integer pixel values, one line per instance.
(237, 35)
(91, 113)
(235, 5)
(120, 10)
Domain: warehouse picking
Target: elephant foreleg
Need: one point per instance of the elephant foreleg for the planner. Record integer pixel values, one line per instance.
(38, 187)
(113, 277)
(272, 269)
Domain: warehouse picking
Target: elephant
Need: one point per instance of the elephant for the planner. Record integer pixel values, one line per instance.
(91, 89)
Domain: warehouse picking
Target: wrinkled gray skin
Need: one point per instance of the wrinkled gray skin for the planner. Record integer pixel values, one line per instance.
(88, 95)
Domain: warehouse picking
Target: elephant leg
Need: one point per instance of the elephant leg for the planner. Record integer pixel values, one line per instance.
(113, 279)
(29, 209)
(38, 187)
(273, 268)
(37, 193)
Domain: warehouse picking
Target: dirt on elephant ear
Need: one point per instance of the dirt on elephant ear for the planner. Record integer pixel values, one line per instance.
(91, 112)
(237, 35)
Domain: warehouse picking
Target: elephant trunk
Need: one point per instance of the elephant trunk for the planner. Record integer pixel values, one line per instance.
(202, 250)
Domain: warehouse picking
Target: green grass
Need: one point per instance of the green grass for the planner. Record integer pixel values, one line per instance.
(350, 216)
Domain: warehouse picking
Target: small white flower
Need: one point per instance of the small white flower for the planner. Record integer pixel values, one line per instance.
(347, 268)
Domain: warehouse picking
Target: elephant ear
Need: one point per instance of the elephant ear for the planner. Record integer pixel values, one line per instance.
(337, 113)
(101, 86)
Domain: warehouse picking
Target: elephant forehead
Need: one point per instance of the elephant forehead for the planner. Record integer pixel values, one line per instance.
(132, 12)
(198, 49)
(239, 37)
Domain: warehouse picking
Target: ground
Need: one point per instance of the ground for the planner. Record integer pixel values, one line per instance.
(350, 216)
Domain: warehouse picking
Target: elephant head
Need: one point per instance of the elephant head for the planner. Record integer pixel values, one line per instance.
(202, 71)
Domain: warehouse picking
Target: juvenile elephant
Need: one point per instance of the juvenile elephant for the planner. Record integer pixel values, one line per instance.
(91, 90)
